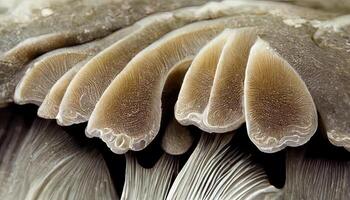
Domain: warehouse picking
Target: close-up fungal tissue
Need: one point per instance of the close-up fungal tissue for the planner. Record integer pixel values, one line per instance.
(174, 100)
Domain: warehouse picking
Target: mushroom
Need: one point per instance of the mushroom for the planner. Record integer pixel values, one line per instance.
(89, 84)
(279, 109)
(43, 73)
(195, 91)
(176, 139)
(287, 28)
(14, 61)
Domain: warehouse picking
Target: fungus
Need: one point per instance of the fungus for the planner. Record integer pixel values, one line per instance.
(310, 176)
(219, 170)
(129, 111)
(43, 73)
(153, 183)
(49, 107)
(279, 109)
(46, 163)
(267, 63)
(92, 80)
(211, 96)
(177, 139)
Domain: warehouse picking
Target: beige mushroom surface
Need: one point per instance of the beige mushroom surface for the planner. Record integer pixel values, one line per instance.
(300, 63)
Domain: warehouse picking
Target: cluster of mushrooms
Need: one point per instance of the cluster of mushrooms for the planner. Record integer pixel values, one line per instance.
(279, 70)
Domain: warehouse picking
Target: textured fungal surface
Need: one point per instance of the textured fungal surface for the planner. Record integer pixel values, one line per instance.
(316, 177)
(207, 99)
(177, 139)
(136, 92)
(118, 83)
(44, 71)
(212, 92)
(41, 155)
(279, 108)
(227, 173)
(50, 105)
(58, 24)
(153, 183)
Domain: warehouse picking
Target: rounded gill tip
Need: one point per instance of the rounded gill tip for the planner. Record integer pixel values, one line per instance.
(47, 112)
(270, 144)
(67, 117)
(18, 97)
(339, 139)
(277, 114)
(231, 126)
(118, 143)
(201, 121)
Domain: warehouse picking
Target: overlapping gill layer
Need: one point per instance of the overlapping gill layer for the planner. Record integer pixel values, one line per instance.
(270, 83)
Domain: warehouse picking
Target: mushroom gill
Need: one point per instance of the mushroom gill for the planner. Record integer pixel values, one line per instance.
(43, 72)
(211, 96)
(121, 87)
(217, 169)
(45, 162)
(14, 61)
(177, 139)
(30, 32)
(135, 94)
(140, 80)
(314, 175)
(194, 94)
(154, 183)
(88, 86)
(279, 109)
(52, 101)
(92, 80)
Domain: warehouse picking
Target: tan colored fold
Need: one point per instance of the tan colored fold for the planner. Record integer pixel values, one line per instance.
(177, 139)
(195, 91)
(128, 114)
(225, 107)
(279, 109)
(49, 107)
(211, 96)
(88, 85)
(43, 74)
